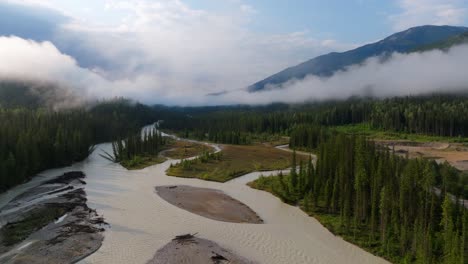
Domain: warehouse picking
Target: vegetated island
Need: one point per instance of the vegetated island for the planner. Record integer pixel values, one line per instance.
(191, 249)
(50, 223)
(140, 151)
(209, 203)
(233, 161)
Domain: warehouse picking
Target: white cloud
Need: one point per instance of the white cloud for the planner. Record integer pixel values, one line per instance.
(429, 12)
(162, 52)
(402, 74)
(207, 52)
(28, 59)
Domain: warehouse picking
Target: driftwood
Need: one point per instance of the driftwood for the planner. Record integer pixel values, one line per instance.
(217, 258)
(185, 237)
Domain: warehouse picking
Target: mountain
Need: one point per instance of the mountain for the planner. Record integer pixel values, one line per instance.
(327, 65)
(445, 44)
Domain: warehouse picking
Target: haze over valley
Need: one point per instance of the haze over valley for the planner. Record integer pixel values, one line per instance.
(236, 131)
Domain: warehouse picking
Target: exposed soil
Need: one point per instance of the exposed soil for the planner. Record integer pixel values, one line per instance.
(209, 203)
(193, 250)
(456, 154)
(235, 161)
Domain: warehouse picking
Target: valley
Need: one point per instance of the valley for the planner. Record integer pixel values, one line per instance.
(157, 132)
(140, 222)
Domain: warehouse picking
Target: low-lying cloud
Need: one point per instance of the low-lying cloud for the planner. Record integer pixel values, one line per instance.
(168, 53)
(400, 74)
(160, 52)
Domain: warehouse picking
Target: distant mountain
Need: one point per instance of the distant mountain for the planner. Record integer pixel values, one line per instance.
(445, 44)
(327, 65)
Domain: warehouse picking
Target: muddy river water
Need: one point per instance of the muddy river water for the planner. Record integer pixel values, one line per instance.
(141, 222)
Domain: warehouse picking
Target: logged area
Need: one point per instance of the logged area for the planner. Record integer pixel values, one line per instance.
(233, 161)
(454, 153)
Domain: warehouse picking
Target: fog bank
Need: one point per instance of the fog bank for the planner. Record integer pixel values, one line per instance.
(400, 74)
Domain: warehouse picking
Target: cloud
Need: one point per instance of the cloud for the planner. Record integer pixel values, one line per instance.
(166, 52)
(429, 12)
(401, 74)
(164, 49)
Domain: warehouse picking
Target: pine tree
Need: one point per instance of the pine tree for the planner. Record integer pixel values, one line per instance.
(293, 173)
(447, 231)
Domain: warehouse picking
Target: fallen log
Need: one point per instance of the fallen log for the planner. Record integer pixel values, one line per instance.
(185, 237)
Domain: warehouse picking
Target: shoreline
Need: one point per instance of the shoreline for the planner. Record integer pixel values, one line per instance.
(51, 223)
(124, 197)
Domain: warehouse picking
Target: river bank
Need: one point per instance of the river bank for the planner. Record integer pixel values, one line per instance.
(50, 223)
(141, 222)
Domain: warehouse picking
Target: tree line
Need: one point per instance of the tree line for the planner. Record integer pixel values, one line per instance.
(310, 137)
(32, 140)
(436, 115)
(389, 204)
(132, 149)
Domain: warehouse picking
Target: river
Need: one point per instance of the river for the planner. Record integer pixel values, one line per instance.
(141, 222)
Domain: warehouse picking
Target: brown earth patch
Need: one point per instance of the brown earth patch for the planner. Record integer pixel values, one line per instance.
(188, 249)
(209, 203)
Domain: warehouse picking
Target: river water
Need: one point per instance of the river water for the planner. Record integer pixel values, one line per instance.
(141, 222)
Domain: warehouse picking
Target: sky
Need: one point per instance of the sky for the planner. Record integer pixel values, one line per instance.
(167, 51)
(352, 21)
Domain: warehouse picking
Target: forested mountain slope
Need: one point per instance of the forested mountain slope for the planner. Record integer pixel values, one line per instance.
(34, 138)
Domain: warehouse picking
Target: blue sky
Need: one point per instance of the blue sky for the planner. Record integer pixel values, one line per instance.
(324, 19)
(169, 48)
(351, 21)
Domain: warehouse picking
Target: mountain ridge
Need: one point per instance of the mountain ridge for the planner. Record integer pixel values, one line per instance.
(326, 65)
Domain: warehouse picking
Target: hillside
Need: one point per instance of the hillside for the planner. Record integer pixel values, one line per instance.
(328, 64)
(445, 44)
(14, 94)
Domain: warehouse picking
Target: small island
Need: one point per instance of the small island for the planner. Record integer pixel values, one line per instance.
(191, 249)
(209, 203)
(149, 148)
(233, 161)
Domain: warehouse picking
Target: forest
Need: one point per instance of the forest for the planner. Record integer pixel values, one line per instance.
(35, 139)
(309, 138)
(136, 149)
(380, 201)
(434, 115)
(406, 210)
